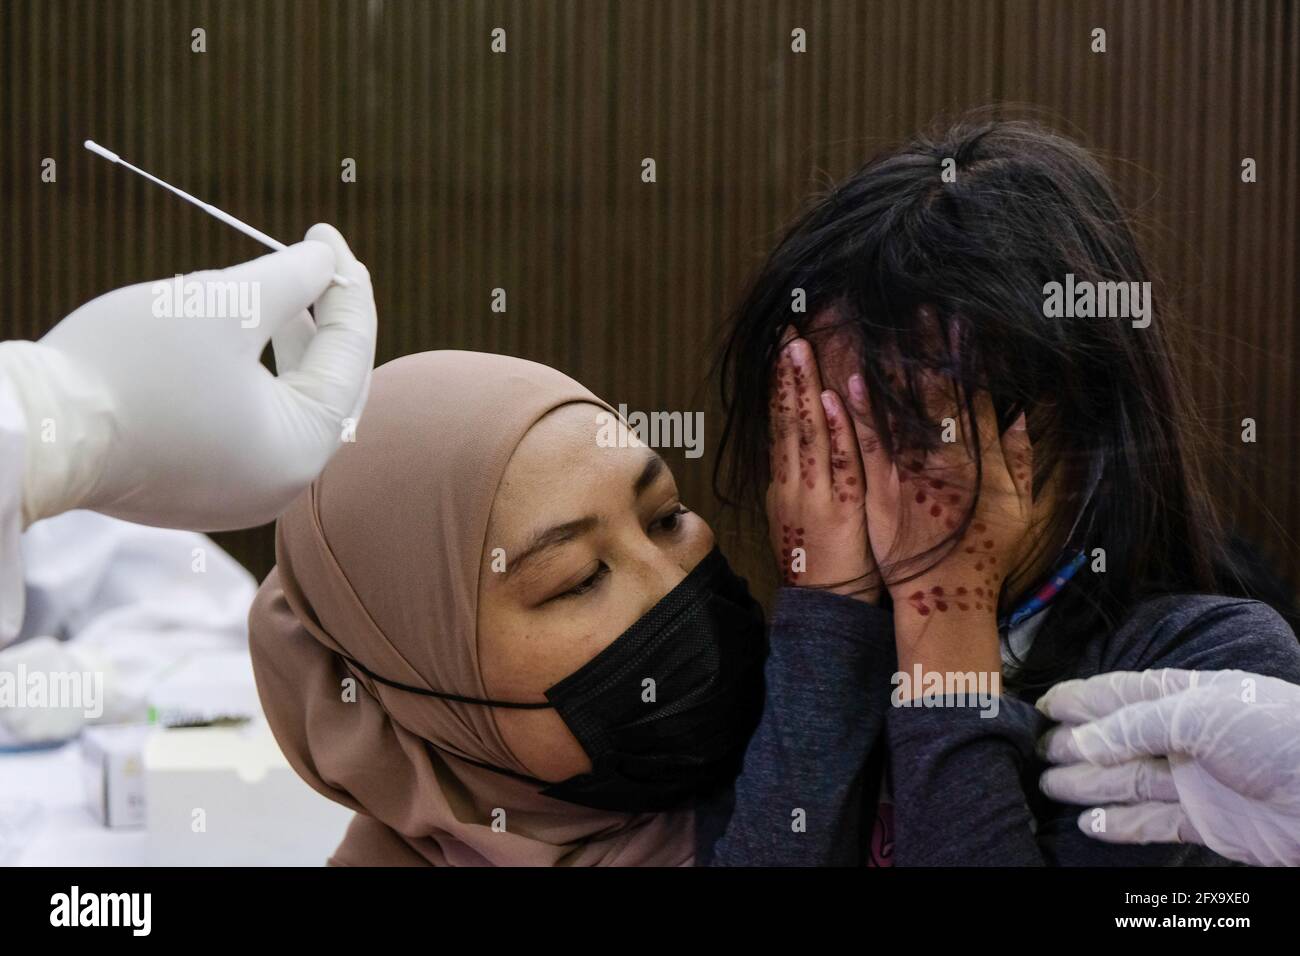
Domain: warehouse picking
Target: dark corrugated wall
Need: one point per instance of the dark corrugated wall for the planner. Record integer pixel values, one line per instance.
(522, 170)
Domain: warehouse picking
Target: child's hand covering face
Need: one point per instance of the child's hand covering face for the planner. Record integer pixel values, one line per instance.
(853, 512)
(924, 496)
(815, 501)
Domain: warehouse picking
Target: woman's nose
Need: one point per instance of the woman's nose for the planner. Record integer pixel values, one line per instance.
(658, 572)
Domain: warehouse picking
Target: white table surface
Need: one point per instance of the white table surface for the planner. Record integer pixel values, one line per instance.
(45, 820)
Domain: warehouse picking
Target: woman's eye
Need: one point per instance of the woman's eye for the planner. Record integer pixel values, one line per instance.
(582, 587)
(672, 520)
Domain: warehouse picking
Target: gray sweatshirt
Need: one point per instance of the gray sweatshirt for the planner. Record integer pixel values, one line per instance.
(964, 786)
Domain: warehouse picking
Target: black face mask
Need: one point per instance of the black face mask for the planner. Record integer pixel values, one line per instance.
(655, 746)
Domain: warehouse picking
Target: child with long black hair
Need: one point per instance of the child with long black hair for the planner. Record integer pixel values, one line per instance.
(971, 498)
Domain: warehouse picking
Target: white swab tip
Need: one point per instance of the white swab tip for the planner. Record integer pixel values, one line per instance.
(228, 219)
(94, 147)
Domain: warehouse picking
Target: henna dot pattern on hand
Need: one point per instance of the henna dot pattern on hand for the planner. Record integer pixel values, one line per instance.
(840, 462)
(791, 538)
(938, 599)
(779, 406)
(944, 502)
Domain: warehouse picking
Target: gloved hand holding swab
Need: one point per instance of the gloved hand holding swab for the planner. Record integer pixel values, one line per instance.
(225, 217)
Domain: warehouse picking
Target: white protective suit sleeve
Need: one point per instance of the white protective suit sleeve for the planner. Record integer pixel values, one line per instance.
(128, 602)
(13, 441)
(1168, 756)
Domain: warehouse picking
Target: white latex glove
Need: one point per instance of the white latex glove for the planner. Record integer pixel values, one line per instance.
(1174, 756)
(172, 420)
(56, 691)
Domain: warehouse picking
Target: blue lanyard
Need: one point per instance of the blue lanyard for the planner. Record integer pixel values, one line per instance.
(1044, 595)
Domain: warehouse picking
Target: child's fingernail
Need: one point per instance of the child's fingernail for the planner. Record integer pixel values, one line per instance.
(828, 403)
(858, 392)
(787, 335)
(799, 352)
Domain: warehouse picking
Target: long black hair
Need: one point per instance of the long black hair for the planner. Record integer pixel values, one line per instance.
(1109, 416)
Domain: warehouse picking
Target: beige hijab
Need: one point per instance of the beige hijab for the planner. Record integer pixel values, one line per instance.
(379, 561)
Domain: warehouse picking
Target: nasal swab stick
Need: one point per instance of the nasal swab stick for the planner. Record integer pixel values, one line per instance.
(210, 209)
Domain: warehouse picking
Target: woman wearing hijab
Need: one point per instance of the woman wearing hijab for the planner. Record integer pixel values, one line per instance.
(495, 632)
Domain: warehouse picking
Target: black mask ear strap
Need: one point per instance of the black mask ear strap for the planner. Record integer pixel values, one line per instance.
(487, 766)
(464, 700)
(459, 698)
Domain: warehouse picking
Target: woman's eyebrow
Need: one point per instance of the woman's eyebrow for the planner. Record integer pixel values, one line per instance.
(654, 467)
(562, 533)
(550, 538)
